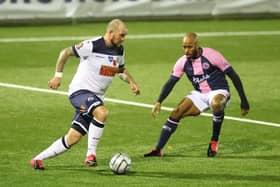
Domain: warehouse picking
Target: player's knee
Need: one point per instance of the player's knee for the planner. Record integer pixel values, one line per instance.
(218, 103)
(73, 137)
(101, 113)
(176, 114)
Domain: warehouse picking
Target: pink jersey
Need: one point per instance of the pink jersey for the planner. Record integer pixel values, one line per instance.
(206, 72)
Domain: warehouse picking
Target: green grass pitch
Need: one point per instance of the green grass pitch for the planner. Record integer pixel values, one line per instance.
(249, 154)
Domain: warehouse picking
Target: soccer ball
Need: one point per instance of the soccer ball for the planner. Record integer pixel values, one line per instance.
(120, 163)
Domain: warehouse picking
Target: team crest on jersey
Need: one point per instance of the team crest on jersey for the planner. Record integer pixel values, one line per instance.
(205, 65)
(110, 58)
(114, 62)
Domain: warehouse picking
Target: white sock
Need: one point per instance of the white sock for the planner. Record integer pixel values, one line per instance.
(94, 134)
(58, 147)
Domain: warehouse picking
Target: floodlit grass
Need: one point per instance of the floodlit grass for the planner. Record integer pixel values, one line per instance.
(249, 154)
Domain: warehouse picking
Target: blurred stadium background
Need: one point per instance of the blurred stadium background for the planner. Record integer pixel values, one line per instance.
(45, 11)
(32, 33)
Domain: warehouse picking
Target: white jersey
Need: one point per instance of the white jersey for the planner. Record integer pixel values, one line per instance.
(98, 65)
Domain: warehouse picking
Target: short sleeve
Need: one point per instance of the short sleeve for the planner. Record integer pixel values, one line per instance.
(178, 68)
(121, 60)
(218, 60)
(83, 49)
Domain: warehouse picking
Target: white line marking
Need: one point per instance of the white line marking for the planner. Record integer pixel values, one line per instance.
(134, 103)
(139, 36)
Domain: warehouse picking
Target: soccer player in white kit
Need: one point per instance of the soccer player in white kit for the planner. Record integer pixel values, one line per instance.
(206, 69)
(101, 59)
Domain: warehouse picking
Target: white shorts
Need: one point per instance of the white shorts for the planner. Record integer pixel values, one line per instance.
(202, 100)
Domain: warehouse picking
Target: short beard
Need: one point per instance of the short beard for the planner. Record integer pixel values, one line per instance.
(113, 44)
(196, 53)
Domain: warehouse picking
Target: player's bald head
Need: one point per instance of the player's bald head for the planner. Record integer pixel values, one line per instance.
(190, 45)
(115, 33)
(116, 25)
(191, 38)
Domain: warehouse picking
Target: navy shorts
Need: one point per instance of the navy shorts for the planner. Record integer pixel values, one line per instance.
(84, 102)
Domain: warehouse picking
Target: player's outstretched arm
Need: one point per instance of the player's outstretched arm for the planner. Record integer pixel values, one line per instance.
(166, 89)
(55, 82)
(239, 87)
(125, 76)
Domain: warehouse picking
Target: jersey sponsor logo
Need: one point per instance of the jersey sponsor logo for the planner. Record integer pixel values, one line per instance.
(108, 71)
(201, 78)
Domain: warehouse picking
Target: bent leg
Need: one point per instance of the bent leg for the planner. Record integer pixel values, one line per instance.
(96, 128)
(217, 105)
(184, 108)
(60, 146)
(73, 137)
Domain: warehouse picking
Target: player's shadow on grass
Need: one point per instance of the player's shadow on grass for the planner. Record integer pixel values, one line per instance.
(246, 157)
(221, 155)
(171, 175)
(227, 149)
(79, 167)
(195, 176)
(206, 177)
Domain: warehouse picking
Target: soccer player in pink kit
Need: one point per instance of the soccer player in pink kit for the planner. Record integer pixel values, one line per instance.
(206, 69)
(101, 58)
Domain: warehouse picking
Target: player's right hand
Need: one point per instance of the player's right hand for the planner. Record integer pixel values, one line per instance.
(156, 109)
(54, 83)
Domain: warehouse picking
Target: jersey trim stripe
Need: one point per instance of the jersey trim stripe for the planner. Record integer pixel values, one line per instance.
(75, 51)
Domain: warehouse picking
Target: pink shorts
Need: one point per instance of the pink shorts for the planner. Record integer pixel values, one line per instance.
(202, 100)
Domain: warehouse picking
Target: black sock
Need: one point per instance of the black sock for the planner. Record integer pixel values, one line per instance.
(167, 130)
(218, 118)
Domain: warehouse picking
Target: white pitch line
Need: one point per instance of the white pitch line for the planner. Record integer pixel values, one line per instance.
(140, 36)
(8, 85)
